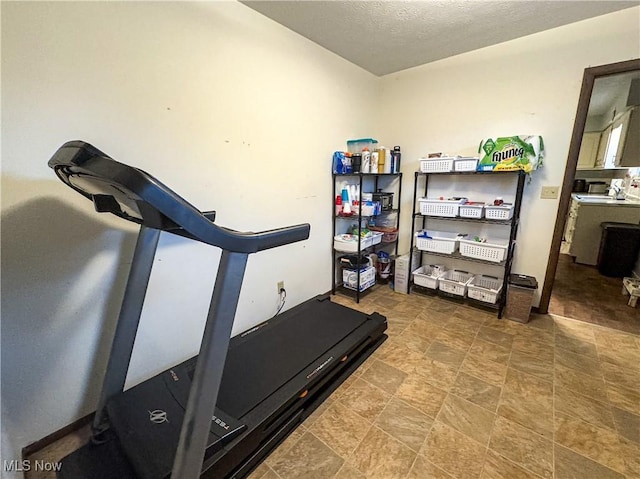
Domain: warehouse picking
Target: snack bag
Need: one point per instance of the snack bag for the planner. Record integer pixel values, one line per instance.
(511, 153)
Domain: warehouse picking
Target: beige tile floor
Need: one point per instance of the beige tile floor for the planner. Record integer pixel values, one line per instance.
(457, 393)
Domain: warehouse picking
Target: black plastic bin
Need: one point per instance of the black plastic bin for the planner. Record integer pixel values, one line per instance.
(619, 249)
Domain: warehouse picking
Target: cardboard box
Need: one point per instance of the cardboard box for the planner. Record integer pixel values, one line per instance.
(403, 273)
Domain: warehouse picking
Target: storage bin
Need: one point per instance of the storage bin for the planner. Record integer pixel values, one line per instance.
(389, 234)
(436, 165)
(349, 243)
(501, 212)
(438, 242)
(435, 207)
(485, 288)
(454, 282)
(492, 250)
(520, 291)
(427, 276)
(366, 210)
(465, 164)
(471, 210)
(367, 278)
(356, 146)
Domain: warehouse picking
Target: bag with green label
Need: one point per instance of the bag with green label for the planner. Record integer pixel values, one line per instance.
(511, 153)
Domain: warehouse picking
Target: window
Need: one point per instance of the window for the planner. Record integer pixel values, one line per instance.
(612, 147)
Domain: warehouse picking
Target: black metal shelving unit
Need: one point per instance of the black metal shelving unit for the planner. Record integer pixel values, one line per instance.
(391, 181)
(511, 223)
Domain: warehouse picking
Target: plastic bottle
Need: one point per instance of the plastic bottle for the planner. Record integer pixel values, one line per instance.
(388, 159)
(366, 161)
(395, 155)
(381, 159)
(374, 162)
(356, 162)
(338, 205)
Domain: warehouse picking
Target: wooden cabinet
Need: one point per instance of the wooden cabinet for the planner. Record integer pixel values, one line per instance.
(570, 225)
(585, 233)
(602, 147)
(628, 153)
(589, 149)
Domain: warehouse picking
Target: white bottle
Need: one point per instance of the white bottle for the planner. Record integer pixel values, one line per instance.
(365, 167)
(374, 162)
(353, 196)
(387, 161)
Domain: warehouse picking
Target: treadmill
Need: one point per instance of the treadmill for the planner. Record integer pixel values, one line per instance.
(218, 414)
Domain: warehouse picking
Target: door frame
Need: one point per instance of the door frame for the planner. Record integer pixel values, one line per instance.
(588, 79)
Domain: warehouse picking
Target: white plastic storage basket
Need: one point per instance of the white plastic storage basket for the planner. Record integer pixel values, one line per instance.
(454, 282)
(436, 165)
(427, 276)
(465, 164)
(502, 212)
(435, 207)
(471, 210)
(438, 242)
(349, 243)
(492, 250)
(484, 288)
(367, 278)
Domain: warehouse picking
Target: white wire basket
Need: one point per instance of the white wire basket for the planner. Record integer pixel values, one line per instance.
(465, 164)
(492, 250)
(455, 282)
(427, 276)
(435, 207)
(485, 288)
(471, 210)
(436, 165)
(502, 212)
(438, 242)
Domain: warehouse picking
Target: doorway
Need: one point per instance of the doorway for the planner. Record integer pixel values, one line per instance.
(562, 273)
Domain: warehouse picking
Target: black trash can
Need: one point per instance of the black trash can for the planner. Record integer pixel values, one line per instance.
(619, 249)
(520, 292)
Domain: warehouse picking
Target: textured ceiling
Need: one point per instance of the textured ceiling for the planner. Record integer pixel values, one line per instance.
(388, 36)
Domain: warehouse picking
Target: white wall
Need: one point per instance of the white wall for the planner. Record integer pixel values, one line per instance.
(233, 111)
(525, 86)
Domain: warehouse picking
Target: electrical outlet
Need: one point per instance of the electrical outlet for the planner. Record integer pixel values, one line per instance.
(280, 286)
(549, 192)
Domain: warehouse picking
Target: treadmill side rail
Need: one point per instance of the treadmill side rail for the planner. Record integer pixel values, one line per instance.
(210, 366)
(127, 326)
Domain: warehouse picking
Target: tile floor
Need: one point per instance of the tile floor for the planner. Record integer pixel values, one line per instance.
(456, 393)
(581, 292)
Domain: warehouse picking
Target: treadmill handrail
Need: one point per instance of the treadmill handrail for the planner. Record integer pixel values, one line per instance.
(81, 159)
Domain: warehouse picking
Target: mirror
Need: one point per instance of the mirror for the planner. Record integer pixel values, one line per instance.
(603, 122)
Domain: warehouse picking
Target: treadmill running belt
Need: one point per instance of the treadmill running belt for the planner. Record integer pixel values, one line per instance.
(256, 369)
